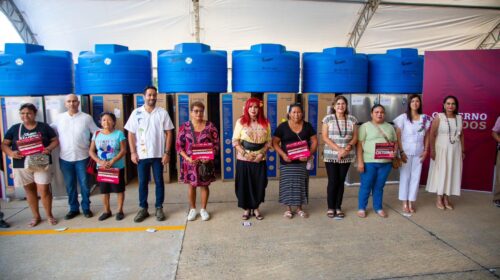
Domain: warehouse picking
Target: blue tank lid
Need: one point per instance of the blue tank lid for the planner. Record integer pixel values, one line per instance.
(27, 69)
(397, 71)
(335, 70)
(192, 67)
(266, 68)
(113, 69)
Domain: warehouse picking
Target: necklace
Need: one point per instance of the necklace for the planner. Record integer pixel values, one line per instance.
(338, 127)
(449, 130)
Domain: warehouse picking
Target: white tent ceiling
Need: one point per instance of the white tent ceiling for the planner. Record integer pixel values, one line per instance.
(300, 25)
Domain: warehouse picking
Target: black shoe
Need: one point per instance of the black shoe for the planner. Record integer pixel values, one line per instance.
(160, 216)
(104, 216)
(141, 215)
(71, 215)
(120, 216)
(88, 214)
(497, 202)
(4, 224)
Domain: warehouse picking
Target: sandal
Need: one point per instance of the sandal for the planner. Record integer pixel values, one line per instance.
(406, 209)
(34, 222)
(258, 216)
(52, 221)
(288, 214)
(340, 214)
(382, 213)
(245, 216)
(361, 213)
(303, 214)
(330, 214)
(439, 206)
(448, 206)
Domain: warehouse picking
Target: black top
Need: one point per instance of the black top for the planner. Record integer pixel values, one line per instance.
(287, 136)
(13, 134)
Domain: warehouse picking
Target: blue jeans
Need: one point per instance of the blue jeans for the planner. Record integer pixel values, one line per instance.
(144, 171)
(73, 170)
(373, 180)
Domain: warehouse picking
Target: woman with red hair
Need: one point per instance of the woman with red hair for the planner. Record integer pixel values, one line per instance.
(251, 139)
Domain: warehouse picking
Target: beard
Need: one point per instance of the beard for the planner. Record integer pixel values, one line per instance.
(151, 102)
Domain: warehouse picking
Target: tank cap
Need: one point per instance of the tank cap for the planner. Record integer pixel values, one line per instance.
(19, 48)
(191, 48)
(340, 51)
(110, 48)
(268, 48)
(403, 52)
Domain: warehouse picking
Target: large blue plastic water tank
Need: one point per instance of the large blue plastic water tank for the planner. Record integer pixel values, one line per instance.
(335, 70)
(113, 69)
(192, 67)
(266, 68)
(397, 71)
(27, 69)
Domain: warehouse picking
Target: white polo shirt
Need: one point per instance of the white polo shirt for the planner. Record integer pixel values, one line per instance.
(149, 130)
(74, 135)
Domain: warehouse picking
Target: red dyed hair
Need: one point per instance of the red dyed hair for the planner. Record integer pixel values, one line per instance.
(261, 119)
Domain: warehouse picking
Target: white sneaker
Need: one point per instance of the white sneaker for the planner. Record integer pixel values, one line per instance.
(204, 215)
(192, 215)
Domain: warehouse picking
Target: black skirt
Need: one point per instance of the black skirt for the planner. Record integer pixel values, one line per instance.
(114, 188)
(250, 183)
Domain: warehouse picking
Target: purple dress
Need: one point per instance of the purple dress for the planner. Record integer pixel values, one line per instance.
(188, 172)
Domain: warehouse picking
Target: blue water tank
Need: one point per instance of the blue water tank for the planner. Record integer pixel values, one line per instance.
(27, 69)
(113, 69)
(266, 68)
(335, 70)
(397, 71)
(192, 67)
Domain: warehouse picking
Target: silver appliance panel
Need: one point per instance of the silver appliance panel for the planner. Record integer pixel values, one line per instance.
(360, 105)
(395, 105)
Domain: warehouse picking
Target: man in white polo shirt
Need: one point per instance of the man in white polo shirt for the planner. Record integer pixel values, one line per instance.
(150, 137)
(74, 129)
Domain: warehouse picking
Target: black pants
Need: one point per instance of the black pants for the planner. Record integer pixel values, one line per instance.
(336, 178)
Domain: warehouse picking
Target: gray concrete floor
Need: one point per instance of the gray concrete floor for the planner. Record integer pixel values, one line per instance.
(431, 244)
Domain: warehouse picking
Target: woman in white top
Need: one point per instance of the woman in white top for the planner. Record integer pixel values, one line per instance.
(411, 130)
(447, 154)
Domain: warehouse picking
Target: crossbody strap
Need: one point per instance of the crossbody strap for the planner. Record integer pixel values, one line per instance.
(381, 132)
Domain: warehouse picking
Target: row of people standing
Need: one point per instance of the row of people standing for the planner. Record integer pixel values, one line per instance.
(375, 144)
(30, 144)
(251, 139)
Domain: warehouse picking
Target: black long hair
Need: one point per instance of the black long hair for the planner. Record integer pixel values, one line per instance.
(408, 109)
(456, 103)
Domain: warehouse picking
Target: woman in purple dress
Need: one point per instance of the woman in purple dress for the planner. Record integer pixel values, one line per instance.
(197, 169)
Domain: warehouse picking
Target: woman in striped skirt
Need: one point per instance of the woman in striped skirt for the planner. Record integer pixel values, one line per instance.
(296, 142)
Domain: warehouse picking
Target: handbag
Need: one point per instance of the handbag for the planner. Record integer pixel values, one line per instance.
(205, 170)
(108, 175)
(37, 162)
(92, 165)
(387, 150)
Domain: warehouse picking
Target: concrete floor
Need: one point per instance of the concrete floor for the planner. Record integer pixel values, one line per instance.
(432, 244)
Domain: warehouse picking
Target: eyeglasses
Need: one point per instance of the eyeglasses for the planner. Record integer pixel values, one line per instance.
(198, 111)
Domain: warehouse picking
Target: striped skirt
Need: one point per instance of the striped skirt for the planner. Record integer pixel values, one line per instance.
(294, 184)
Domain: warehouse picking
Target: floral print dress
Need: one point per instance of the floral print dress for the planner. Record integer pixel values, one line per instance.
(185, 140)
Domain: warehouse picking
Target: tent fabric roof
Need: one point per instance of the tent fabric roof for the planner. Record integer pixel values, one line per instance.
(300, 25)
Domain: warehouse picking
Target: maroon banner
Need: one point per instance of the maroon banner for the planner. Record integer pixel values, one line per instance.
(473, 77)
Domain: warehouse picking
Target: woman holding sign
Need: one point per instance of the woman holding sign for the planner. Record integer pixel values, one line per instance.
(108, 147)
(251, 140)
(340, 134)
(197, 143)
(296, 142)
(376, 149)
(29, 144)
